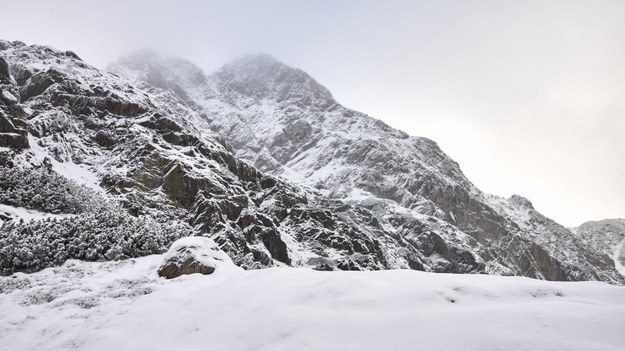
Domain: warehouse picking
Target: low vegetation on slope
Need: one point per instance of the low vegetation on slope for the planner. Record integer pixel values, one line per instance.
(97, 230)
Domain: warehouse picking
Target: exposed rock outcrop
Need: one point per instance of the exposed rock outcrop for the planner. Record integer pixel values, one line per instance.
(193, 255)
(13, 133)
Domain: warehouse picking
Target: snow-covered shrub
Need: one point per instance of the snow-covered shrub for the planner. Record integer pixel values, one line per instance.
(95, 236)
(100, 230)
(40, 189)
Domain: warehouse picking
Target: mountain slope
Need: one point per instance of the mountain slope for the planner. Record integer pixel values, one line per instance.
(606, 238)
(322, 186)
(146, 152)
(285, 123)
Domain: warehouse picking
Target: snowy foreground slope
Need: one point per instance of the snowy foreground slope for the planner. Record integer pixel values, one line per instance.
(124, 305)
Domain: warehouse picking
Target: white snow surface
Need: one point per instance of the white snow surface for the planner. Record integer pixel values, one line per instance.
(126, 306)
(78, 173)
(18, 213)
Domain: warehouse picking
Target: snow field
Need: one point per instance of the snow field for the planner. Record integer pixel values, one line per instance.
(125, 306)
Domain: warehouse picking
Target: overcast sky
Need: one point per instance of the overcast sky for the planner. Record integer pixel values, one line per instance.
(528, 96)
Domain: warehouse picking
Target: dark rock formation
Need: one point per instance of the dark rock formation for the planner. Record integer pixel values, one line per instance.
(190, 256)
(13, 133)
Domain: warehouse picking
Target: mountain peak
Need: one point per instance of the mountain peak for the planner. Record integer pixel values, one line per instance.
(257, 64)
(162, 72)
(144, 55)
(521, 202)
(262, 76)
(257, 59)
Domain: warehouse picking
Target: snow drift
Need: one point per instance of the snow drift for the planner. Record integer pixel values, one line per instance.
(125, 306)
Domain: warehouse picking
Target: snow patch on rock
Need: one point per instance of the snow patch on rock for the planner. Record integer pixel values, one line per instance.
(17, 213)
(194, 255)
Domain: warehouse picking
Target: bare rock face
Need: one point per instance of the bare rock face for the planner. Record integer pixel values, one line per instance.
(4, 71)
(13, 132)
(10, 135)
(606, 239)
(192, 255)
(520, 201)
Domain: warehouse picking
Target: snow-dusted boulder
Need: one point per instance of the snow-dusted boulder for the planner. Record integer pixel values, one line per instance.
(193, 255)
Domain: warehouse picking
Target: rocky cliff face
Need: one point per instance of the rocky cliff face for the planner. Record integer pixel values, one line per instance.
(606, 239)
(261, 158)
(12, 125)
(287, 124)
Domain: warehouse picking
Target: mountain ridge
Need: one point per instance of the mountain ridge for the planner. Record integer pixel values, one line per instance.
(276, 175)
(269, 157)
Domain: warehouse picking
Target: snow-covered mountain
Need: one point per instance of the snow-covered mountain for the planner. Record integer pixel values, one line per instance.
(146, 152)
(257, 156)
(285, 123)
